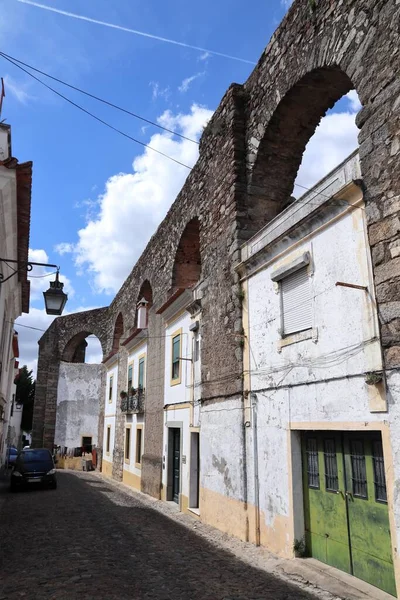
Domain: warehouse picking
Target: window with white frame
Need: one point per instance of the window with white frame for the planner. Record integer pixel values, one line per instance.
(296, 302)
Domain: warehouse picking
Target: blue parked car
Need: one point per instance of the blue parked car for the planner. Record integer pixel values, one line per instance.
(12, 456)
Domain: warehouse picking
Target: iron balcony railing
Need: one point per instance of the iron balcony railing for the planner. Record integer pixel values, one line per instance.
(134, 403)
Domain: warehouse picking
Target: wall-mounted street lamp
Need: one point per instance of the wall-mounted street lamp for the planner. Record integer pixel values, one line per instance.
(54, 298)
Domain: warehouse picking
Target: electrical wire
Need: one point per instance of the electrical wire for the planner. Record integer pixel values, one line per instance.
(126, 135)
(107, 102)
(14, 61)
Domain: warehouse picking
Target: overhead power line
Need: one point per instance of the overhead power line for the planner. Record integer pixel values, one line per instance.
(120, 108)
(17, 63)
(94, 116)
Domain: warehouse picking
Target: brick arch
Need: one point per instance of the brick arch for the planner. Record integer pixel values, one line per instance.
(186, 271)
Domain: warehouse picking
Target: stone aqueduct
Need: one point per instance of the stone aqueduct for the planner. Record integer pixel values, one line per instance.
(250, 153)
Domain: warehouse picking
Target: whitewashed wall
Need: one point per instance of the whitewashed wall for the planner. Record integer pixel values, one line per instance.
(179, 417)
(180, 392)
(321, 380)
(133, 357)
(110, 411)
(78, 403)
(135, 419)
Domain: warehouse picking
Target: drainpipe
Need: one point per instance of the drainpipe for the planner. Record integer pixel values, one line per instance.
(256, 477)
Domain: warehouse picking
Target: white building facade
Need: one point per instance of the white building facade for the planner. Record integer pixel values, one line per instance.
(133, 405)
(15, 203)
(320, 426)
(181, 438)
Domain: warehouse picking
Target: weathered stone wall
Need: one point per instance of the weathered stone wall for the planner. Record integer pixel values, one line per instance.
(249, 156)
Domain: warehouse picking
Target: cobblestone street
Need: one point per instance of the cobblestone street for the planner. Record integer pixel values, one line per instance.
(93, 539)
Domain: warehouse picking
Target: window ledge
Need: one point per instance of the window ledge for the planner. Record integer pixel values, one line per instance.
(301, 336)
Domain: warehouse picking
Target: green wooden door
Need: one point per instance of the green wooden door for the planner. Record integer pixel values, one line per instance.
(346, 514)
(325, 507)
(369, 527)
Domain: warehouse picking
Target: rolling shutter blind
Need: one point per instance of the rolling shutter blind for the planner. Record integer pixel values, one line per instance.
(296, 302)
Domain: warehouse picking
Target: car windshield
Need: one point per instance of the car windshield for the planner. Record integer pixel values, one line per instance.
(36, 456)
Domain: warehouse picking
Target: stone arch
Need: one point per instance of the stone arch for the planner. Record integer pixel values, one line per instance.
(290, 128)
(118, 332)
(75, 348)
(186, 271)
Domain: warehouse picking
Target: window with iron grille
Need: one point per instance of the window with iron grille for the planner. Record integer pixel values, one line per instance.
(312, 463)
(296, 302)
(379, 472)
(331, 470)
(358, 469)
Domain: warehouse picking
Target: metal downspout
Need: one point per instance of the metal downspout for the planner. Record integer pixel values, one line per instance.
(256, 476)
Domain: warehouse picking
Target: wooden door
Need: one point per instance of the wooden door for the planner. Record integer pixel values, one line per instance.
(176, 464)
(345, 502)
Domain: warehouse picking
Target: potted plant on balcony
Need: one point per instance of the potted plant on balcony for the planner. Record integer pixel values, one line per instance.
(133, 391)
(124, 401)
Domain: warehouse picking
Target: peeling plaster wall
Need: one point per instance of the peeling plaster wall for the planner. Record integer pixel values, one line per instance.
(78, 403)
(292, 387)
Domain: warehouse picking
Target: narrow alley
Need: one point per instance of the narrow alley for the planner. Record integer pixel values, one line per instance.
(92, 539)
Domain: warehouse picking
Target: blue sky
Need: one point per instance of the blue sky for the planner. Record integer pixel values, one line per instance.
(98, 197)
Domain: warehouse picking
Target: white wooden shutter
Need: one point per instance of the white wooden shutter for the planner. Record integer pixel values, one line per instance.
(296, 302)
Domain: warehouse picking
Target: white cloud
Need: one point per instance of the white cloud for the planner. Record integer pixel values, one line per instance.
(30, 329)
(335, 138)
(17, 89)
(28, 338)
(133, 204)
(204, 56)
(40, 276)
(186, 83)
(355, 104)
(64, 248)
(158, 92)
